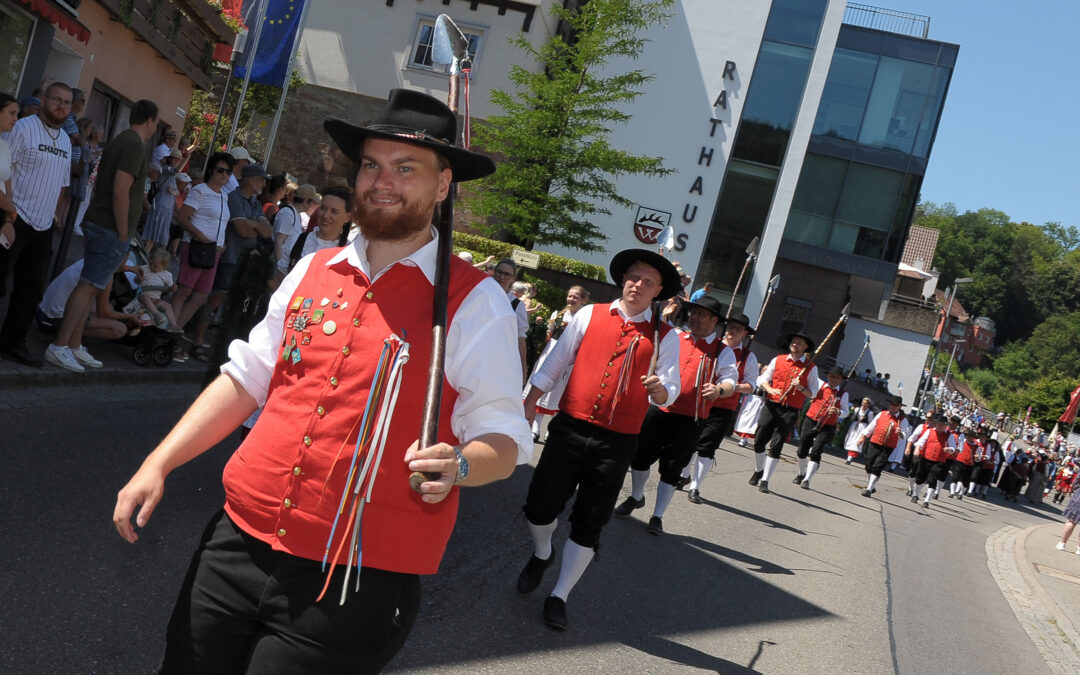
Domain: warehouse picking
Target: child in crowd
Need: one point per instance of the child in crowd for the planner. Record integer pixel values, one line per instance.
(156, 280)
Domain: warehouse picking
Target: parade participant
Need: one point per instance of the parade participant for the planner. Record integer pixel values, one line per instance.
(827, 408)
(329, 358)
(956, 425)
(787, 381)
(576, 298)
(707, 373)
(746, 421)
(985, 464)
(884, 433)
(722, 413)
(860, 417)
(911, 460)
(934, 448)
(963, 465)
(623, 358)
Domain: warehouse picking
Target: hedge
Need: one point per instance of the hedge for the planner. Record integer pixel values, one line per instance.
(482, 247)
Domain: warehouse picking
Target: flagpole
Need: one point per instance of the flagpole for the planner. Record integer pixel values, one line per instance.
(285, 85)
(247, 70)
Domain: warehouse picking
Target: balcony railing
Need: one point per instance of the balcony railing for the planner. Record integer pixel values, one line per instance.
(891, 20)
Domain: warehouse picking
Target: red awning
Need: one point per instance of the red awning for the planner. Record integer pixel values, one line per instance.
(59, 17)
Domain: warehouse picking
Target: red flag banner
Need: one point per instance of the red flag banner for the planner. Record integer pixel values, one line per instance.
(1074, 403)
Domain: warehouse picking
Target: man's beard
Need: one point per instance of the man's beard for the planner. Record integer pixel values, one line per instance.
(376, 224)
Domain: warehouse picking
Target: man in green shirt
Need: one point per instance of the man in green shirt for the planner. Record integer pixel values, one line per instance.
(112, 214)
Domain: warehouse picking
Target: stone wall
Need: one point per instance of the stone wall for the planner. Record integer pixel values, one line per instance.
(911, 316)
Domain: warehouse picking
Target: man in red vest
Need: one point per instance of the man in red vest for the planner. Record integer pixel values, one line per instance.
(933, 449)
(722, 413)
(885, 431)
(828, 407)
(623, 360)
(963, 465)
(787, 381)
(707, 373)
(319, 490)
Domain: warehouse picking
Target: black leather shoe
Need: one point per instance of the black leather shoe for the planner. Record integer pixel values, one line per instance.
(805, 485)
(555, 613)
(866, 493)
(763, 486)
(682, 482)
(531, 576)
(694, 497)
(798, 479)
(22, 355)
(628, 506)
(656, 526)
(755, 477)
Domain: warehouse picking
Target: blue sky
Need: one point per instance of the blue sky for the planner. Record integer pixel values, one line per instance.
(1009, 137)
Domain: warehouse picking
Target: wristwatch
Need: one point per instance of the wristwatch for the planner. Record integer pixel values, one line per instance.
(462, 467)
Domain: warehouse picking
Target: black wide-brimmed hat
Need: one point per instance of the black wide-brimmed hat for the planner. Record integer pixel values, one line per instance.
(669, 276)
(743, 320)
(893, 399)
(708, 304)
(418, 119)
(836, 370)
(810, 344)
(937, 417)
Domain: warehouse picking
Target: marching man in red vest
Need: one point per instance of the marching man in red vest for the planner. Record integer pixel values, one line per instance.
(624, 359)
(319, 491)
(963, 465)
(887, 429)
(828, 407)
(933, 451)
(787, 381)
(707, 373)
(722, 413)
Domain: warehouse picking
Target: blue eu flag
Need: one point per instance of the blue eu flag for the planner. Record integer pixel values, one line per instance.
(270, 62)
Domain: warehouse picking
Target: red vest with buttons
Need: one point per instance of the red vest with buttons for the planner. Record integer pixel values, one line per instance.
(784, 372)
(694, 356)
(887, 429)
(732, 402)
(827, 399)
(967, 452)
(936, 448)
(591, 388)
(284, 483)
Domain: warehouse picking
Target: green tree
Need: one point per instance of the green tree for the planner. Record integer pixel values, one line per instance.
(559, 167)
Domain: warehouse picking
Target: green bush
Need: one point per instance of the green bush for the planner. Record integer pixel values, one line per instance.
(482, 247)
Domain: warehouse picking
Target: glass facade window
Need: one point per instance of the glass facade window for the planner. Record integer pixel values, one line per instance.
(772, 103)
(895, 109)
(847, 89)
(796, 22)
(814, 204)
(16, 30)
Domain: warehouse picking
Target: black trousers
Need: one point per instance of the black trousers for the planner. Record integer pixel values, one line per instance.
(930, 472)
(813, 440)
(961, 473)
(774, 425)
(28, 258)
(713, 431)
(583, 457)
(877, 456)
(669, 439)
(245, 608)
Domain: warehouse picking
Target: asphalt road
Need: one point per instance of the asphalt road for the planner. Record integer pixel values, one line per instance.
(793, 582)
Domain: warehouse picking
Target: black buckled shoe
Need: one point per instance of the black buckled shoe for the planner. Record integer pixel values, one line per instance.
(533, 572)
(628, 506)
(763, 486)
(682, 482)
(555, 613)
(798, 479)
(866, 493)
(656, 526)
(755, 477)
(694, 497)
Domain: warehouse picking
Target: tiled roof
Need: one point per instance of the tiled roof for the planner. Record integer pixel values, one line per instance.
(920, 246)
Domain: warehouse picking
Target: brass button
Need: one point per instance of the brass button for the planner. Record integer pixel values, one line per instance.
(618, 343)
(369, 295)
(356, 322)
(281, 532)
(624, 333)
(591, 417)
(288, 502)
(603, 385)
(333, 381)
(296, 471)
(599, 396)
(307, 440)
(607, 374)
(345, 350)
(321, 410)
(610, 364)
(596, 407)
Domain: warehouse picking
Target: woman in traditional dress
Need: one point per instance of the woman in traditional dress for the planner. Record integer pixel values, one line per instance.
(860, 420)
(576, 298)
(749, 410)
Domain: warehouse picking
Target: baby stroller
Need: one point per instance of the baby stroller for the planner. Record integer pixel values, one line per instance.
(148, 343)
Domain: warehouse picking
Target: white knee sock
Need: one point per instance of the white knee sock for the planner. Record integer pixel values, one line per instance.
(536, 425)
(541, 536)
(770, 466)
(701, 469)
(872, 481)
(811, 469)
(802, 465)
(664, 493)
(574, 561)
(759, 461)
(930, 492)
(686, 470)
(912, 485)
(637, 483)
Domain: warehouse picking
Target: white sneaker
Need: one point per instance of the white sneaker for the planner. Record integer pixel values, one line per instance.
(84, 358)
(1060, 546)
(62, 356)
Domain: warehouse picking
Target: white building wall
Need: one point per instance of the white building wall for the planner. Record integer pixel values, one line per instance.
(899, 352)
(364, 46)
(673, 119)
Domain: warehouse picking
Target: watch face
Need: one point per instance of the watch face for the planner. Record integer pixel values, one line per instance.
(463, 466)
